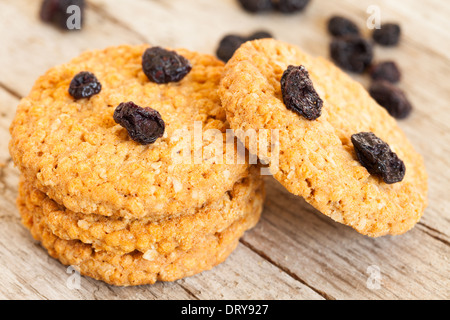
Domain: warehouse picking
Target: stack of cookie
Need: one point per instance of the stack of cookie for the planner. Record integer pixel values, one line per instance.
(124, 169)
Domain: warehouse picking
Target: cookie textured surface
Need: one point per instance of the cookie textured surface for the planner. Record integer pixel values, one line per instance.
(137, 268)
(316, 159)
(73, 151)
(160, 237)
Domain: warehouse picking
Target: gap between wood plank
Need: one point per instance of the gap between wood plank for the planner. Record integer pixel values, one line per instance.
(434, 236)
(189, 292)
(286, 270)
(10, 91)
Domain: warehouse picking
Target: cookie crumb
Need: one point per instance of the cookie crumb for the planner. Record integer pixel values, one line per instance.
(83, 224)
(150, 254)
(177, 185)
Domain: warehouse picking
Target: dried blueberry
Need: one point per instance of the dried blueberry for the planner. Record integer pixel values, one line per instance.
(84, 85)
(55, 12)
(299, 94)
(255, 6)
(387, 70)
(290, 6)
(392, 98)
(164, 66)
(376, 156)
(339, 26)
(352, 53)
(387, 35)
(144, 125)
(228, 45)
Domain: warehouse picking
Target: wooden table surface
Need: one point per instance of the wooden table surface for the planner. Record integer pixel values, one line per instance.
(294, 252)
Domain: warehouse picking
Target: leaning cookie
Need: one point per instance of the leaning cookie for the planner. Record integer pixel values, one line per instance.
(117, 134)
(137, 268)
(151, 237)
(313, 154)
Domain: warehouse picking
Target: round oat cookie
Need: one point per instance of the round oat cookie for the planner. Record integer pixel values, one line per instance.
(316, 159)
(151, 237)
(76, 153)
(137, 268)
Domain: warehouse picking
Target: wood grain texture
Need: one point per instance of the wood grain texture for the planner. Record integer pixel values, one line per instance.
(294, 252)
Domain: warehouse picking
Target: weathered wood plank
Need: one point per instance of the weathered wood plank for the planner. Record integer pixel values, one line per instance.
(32, 47)
(294, 252)
(334, 259)
(241, 277)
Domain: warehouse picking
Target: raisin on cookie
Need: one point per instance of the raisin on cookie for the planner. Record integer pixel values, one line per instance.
(76, 153)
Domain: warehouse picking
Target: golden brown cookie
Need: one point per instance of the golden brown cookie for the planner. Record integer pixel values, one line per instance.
(316, 158)
(137, 268)
(120, 236)
(76, 153)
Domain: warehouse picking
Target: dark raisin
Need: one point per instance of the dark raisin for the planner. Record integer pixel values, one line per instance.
(290, 6)
(376, 156)
(392, 98)
(228, 45)
(164, 66)
(84, 85)
(55, 12)
(387, 35)
(339, 26)
(387, 70)
(255, 6)
(299, 94)
(144, 125)
(259, 35)
(352, 53)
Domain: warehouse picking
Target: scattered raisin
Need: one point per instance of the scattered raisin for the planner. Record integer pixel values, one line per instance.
(392, 98)
(55, 12)
(387, 35)
(352, 53)
(376, 156)
(144, 125)
(387, 70)
(256, 6)
(230, 43)
(299, 94)
(339, 26)
(84, 85)
(290, 6)
(164, 66)
(259, 35)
